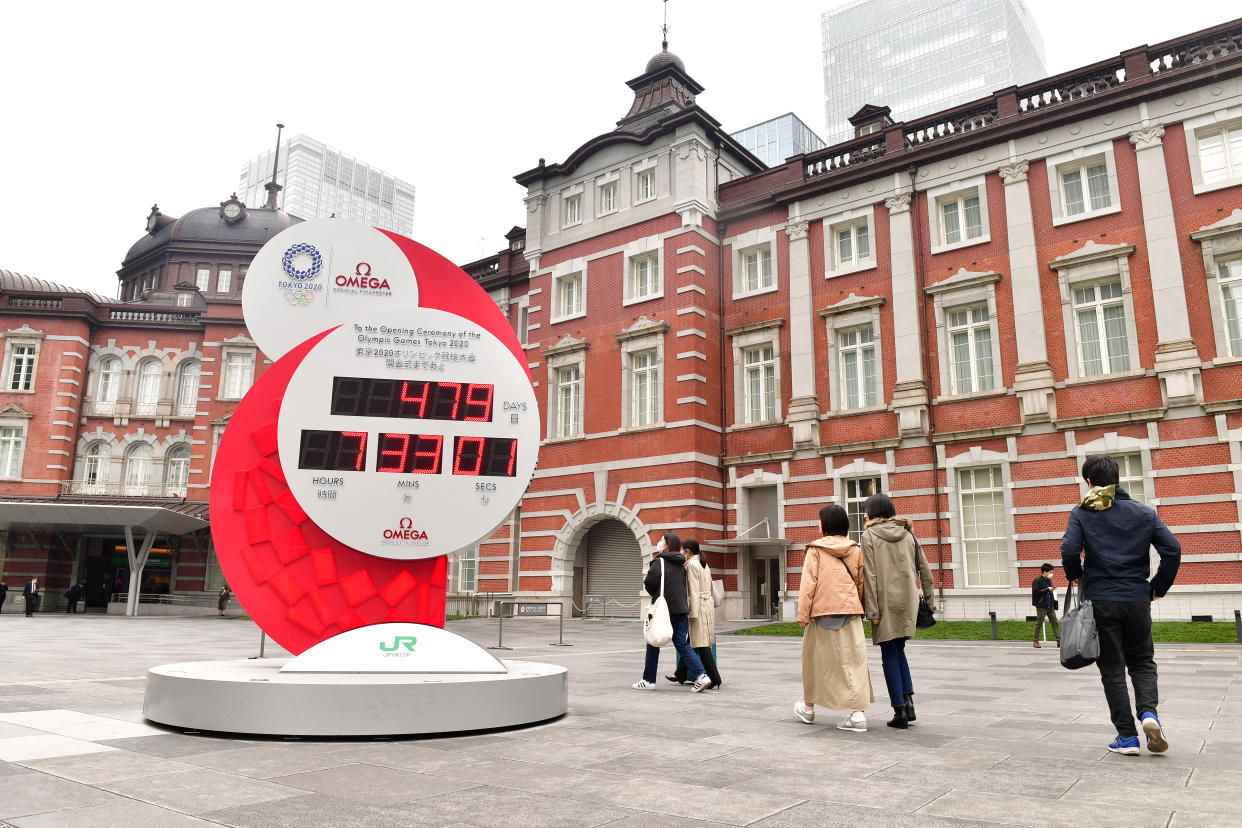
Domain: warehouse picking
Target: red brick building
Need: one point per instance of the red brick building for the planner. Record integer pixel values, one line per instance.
(955, 310)
(110, 410)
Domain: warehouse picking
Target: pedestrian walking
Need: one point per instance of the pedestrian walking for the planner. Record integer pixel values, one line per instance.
(4, 593)
(72, 596)
(830, 610)
(30, 594)
(1115, 533)
(669, 565)
(702, 617)
(222, 598)
(1044, 599)
(892, 559)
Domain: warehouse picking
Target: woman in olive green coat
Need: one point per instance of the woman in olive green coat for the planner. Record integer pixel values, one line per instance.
(891, 558)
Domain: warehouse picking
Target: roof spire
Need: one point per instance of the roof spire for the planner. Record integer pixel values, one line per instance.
(664, 28)
(272, 187)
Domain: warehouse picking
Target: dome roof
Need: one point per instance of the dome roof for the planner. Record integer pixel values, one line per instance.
(205, 224)
(11, 281)
(664, 58)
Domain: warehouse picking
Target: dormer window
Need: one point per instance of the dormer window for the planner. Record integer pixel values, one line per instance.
(869, 129)
(870, 120)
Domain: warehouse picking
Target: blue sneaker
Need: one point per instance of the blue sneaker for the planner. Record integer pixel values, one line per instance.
(1129, 745)
(1156, 742)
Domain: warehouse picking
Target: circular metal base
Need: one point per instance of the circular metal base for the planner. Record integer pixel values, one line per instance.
(253, 696)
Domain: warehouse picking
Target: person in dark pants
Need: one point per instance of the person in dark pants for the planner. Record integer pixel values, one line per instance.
(1115, 532)
(670, 564)
(30, 594)
(73, 596)
(4, 593)
(702, 617)
(1044, 600)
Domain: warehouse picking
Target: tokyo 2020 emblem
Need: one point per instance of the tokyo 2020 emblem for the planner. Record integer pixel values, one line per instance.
(302, 261)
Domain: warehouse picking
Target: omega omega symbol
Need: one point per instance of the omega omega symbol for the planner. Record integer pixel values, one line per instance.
(358, 269)
(302, 261)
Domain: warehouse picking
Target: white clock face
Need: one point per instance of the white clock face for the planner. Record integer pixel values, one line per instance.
(232, 209)
(410, 435)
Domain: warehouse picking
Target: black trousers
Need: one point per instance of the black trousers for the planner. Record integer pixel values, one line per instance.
(709, 665)
(1125, 645)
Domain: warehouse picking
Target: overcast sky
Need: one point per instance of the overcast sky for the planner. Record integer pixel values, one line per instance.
(111, 107)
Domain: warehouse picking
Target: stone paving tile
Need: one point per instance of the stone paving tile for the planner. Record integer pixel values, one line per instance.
(125, 813)
(731, 807)
(497, 808)
(171, 745)
(197, 791)
(1035, 810)
(372, 784)
(320, 811)
(23, 794)
(530, 777)
(819, 814)
(899, 794)
(263, 761)
(408, 756)
(108, 766)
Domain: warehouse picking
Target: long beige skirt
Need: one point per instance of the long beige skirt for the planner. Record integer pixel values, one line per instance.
(834, 667)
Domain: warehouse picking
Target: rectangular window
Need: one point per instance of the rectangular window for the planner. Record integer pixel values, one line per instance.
(645, 388)
(608, 198)
(238, 375)
(853, 245)
(569, 295)
(1130, 475)
(756, 269)
(1229, 273)
(22, 367)
(184, 300)
(960, 218)
(204, 279)
(523, 323)
(1084, 188)
(12, 440)
(984, 527)
(569, 401)
(1220, 154)
(224, 281)
(644, 185)
(468, 569)
(644, 276)
(1103, 342)
(970, 349)
(759, 383)
(573, 209)
(858, 380)
(856, 493)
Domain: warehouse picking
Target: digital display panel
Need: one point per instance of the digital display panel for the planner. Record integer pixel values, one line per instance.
(468, 402)
(409, 453)
(486, 456)
(333, 450)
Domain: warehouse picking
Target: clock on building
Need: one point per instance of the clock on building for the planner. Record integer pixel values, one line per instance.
(233, 210)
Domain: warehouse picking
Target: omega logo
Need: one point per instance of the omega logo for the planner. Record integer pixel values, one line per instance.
(362, 279)
(405, 531)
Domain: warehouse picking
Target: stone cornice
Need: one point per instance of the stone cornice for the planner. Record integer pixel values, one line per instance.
(755, 326)
(567, 345)
(963, 279)
(1091, 252)
(1231, 223)
(14, 411)
(852, 303)
(643, 327)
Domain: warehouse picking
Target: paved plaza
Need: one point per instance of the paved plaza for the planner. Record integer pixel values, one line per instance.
(1005, 736)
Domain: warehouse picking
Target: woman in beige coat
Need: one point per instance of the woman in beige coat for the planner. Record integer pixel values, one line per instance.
(891, 558)
(830, 609)
(702, 614)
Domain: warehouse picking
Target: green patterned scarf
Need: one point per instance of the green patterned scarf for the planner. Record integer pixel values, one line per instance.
(1099, 498)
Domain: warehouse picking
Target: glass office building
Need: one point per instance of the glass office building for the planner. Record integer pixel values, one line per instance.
(775, 140)
(922, 56)
(320, 181)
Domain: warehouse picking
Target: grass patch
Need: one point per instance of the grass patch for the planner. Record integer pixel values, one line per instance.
(1192, 632)
(460, 617)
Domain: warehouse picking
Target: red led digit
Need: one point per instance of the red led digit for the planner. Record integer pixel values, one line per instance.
(442, 400)
(480, 396)
(512, 458)
(469, 447)
(420, 401)
(432, 455)
(400, 455)
(362, 446)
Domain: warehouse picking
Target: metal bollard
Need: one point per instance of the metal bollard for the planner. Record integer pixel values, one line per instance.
(1237, 623)
(500, 630)
(560, 636)
(995, 631)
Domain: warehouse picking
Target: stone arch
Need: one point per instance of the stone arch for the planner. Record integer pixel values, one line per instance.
(579, 523)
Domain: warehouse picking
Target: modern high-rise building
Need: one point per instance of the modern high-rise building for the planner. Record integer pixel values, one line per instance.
(922, 56)
(775, 140)
(319, 181)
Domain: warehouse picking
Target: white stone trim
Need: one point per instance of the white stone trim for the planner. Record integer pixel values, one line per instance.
(1094, 263)
(977, 457)
(961, 289)
(858, 216)
(965, 187)
(1220, 119)
(749, 242)
(651, 246)
(852, 313)
(1052, 165)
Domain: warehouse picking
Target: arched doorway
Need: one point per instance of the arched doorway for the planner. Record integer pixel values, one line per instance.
(609, 563)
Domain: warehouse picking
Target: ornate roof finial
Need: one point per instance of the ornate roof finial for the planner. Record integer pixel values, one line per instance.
(272, 187)
(664, 28)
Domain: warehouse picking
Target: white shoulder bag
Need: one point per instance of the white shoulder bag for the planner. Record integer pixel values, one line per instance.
(658, 628)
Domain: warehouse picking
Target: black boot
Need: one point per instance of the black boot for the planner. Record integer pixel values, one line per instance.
(899, 720)
(910, 707)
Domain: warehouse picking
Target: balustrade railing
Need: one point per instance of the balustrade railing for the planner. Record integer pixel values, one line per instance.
(1176, 55)
(122, 489)
(953, 122)
(1071, 87)
(34, 302)
(834, 158)
(128, 315)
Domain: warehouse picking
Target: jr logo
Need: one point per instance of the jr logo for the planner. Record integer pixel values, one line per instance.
(399, 641)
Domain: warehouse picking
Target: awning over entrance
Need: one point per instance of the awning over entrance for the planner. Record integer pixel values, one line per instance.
(54, 515)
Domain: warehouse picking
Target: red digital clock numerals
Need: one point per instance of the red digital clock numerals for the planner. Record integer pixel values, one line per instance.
(412, 399)
(333, 450)
(410, 453)
(489, 456)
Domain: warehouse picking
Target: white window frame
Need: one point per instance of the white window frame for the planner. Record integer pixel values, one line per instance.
(971, 328)
(746, 244)
(856, 469)
(133, 483)
(743, 339)
(607, 194)
(963, 289)
(1232, 282)
(645, 185)
(560, 287)
(1082, 158)
(1095, 263)
(573, 210)
(185, 299)
(101, 462)
(1221, 242)
(229, 350)
(185, 403)
(13, 432)
(1097, 304)
(177, 470)
(22, 338)
(650, 250)
(643, 337)
(568, 354)
(224, 280)
(976, 457)
(851, 221)
(568, 388)
(957, 191)
(1196, 129)
(470, 556)
(202, 279)
(144, 406)
(522, 323)
(851, 314)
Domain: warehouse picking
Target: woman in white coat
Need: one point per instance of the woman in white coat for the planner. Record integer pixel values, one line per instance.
(702, 614)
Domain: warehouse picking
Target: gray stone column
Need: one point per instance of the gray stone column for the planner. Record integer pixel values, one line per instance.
(1177, 358)
(803, 415)
(910, 392)
(1033, 375)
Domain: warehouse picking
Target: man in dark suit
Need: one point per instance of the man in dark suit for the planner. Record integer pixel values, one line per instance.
(31, 595)
(4, 593)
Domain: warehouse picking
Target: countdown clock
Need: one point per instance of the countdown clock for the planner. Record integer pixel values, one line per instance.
(409, 435)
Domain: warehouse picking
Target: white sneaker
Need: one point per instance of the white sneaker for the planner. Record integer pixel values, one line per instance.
(856, 722)
(806, 714)
(643, 684)
(701, 683)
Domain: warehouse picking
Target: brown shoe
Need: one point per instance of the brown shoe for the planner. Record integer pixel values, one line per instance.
(1037, 644)
(1058, 642)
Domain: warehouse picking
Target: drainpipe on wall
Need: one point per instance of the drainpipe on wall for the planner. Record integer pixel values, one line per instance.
(921, 282)
(720, 301)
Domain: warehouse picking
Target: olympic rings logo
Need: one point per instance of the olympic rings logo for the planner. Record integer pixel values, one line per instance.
(299, 297)
(302, 252)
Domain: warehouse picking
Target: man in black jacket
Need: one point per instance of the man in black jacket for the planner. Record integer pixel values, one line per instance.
(1116, 533)
(1043, 599)
(31, 595)
(670, 564)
